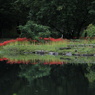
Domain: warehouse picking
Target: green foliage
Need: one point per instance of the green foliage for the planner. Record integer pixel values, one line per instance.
(34, 31)
(14, 94)
(63, 17)
(66, 17)
(90, 31)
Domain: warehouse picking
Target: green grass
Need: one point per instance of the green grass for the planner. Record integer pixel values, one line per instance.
(19, 48)
(22, 47)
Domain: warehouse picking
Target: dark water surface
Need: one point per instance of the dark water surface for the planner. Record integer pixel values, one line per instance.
(41, 79)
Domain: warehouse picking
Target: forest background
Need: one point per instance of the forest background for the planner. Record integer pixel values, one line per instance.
(47, 18)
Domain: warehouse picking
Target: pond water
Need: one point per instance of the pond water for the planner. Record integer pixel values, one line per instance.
(47, 78)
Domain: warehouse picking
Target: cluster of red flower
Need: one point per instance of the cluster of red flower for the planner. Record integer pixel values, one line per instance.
(54, 62)
(13, 40)
(28, 62)
(52, 39)
(25, 39)
(13, 61)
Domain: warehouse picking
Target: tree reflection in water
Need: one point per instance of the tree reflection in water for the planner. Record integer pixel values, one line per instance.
(67, 79)
(45, 79)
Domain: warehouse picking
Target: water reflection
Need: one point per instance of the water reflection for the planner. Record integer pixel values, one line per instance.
(31, 72)
(47, 59)
(47, 79)
(62, 80)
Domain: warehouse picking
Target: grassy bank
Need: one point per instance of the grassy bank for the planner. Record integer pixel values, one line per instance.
(21, 47)
(22, 51)
(64, 46)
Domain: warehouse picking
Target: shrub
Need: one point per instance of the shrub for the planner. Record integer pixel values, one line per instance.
(89, 32)
(34, 31)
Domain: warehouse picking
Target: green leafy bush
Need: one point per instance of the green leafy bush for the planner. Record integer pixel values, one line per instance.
(89, 32)
(34, 31)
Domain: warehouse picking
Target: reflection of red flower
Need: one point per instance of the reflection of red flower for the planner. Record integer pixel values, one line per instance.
(54, 62)
(28, 62)
(2, 59)
(17, 62)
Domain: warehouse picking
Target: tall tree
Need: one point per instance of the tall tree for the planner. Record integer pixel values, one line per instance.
(68, 17)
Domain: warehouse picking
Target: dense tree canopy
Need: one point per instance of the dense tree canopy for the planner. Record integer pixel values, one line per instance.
(67, 17)
(12, 14)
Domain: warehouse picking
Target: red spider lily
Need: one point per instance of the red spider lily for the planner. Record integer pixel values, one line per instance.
(21, 39)
(59, 39)
(1, 44)
(6, 42)
(52, 39)
(34, 40)
(25, 39)
(40, 38)
(10, 41)
(46, 38)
